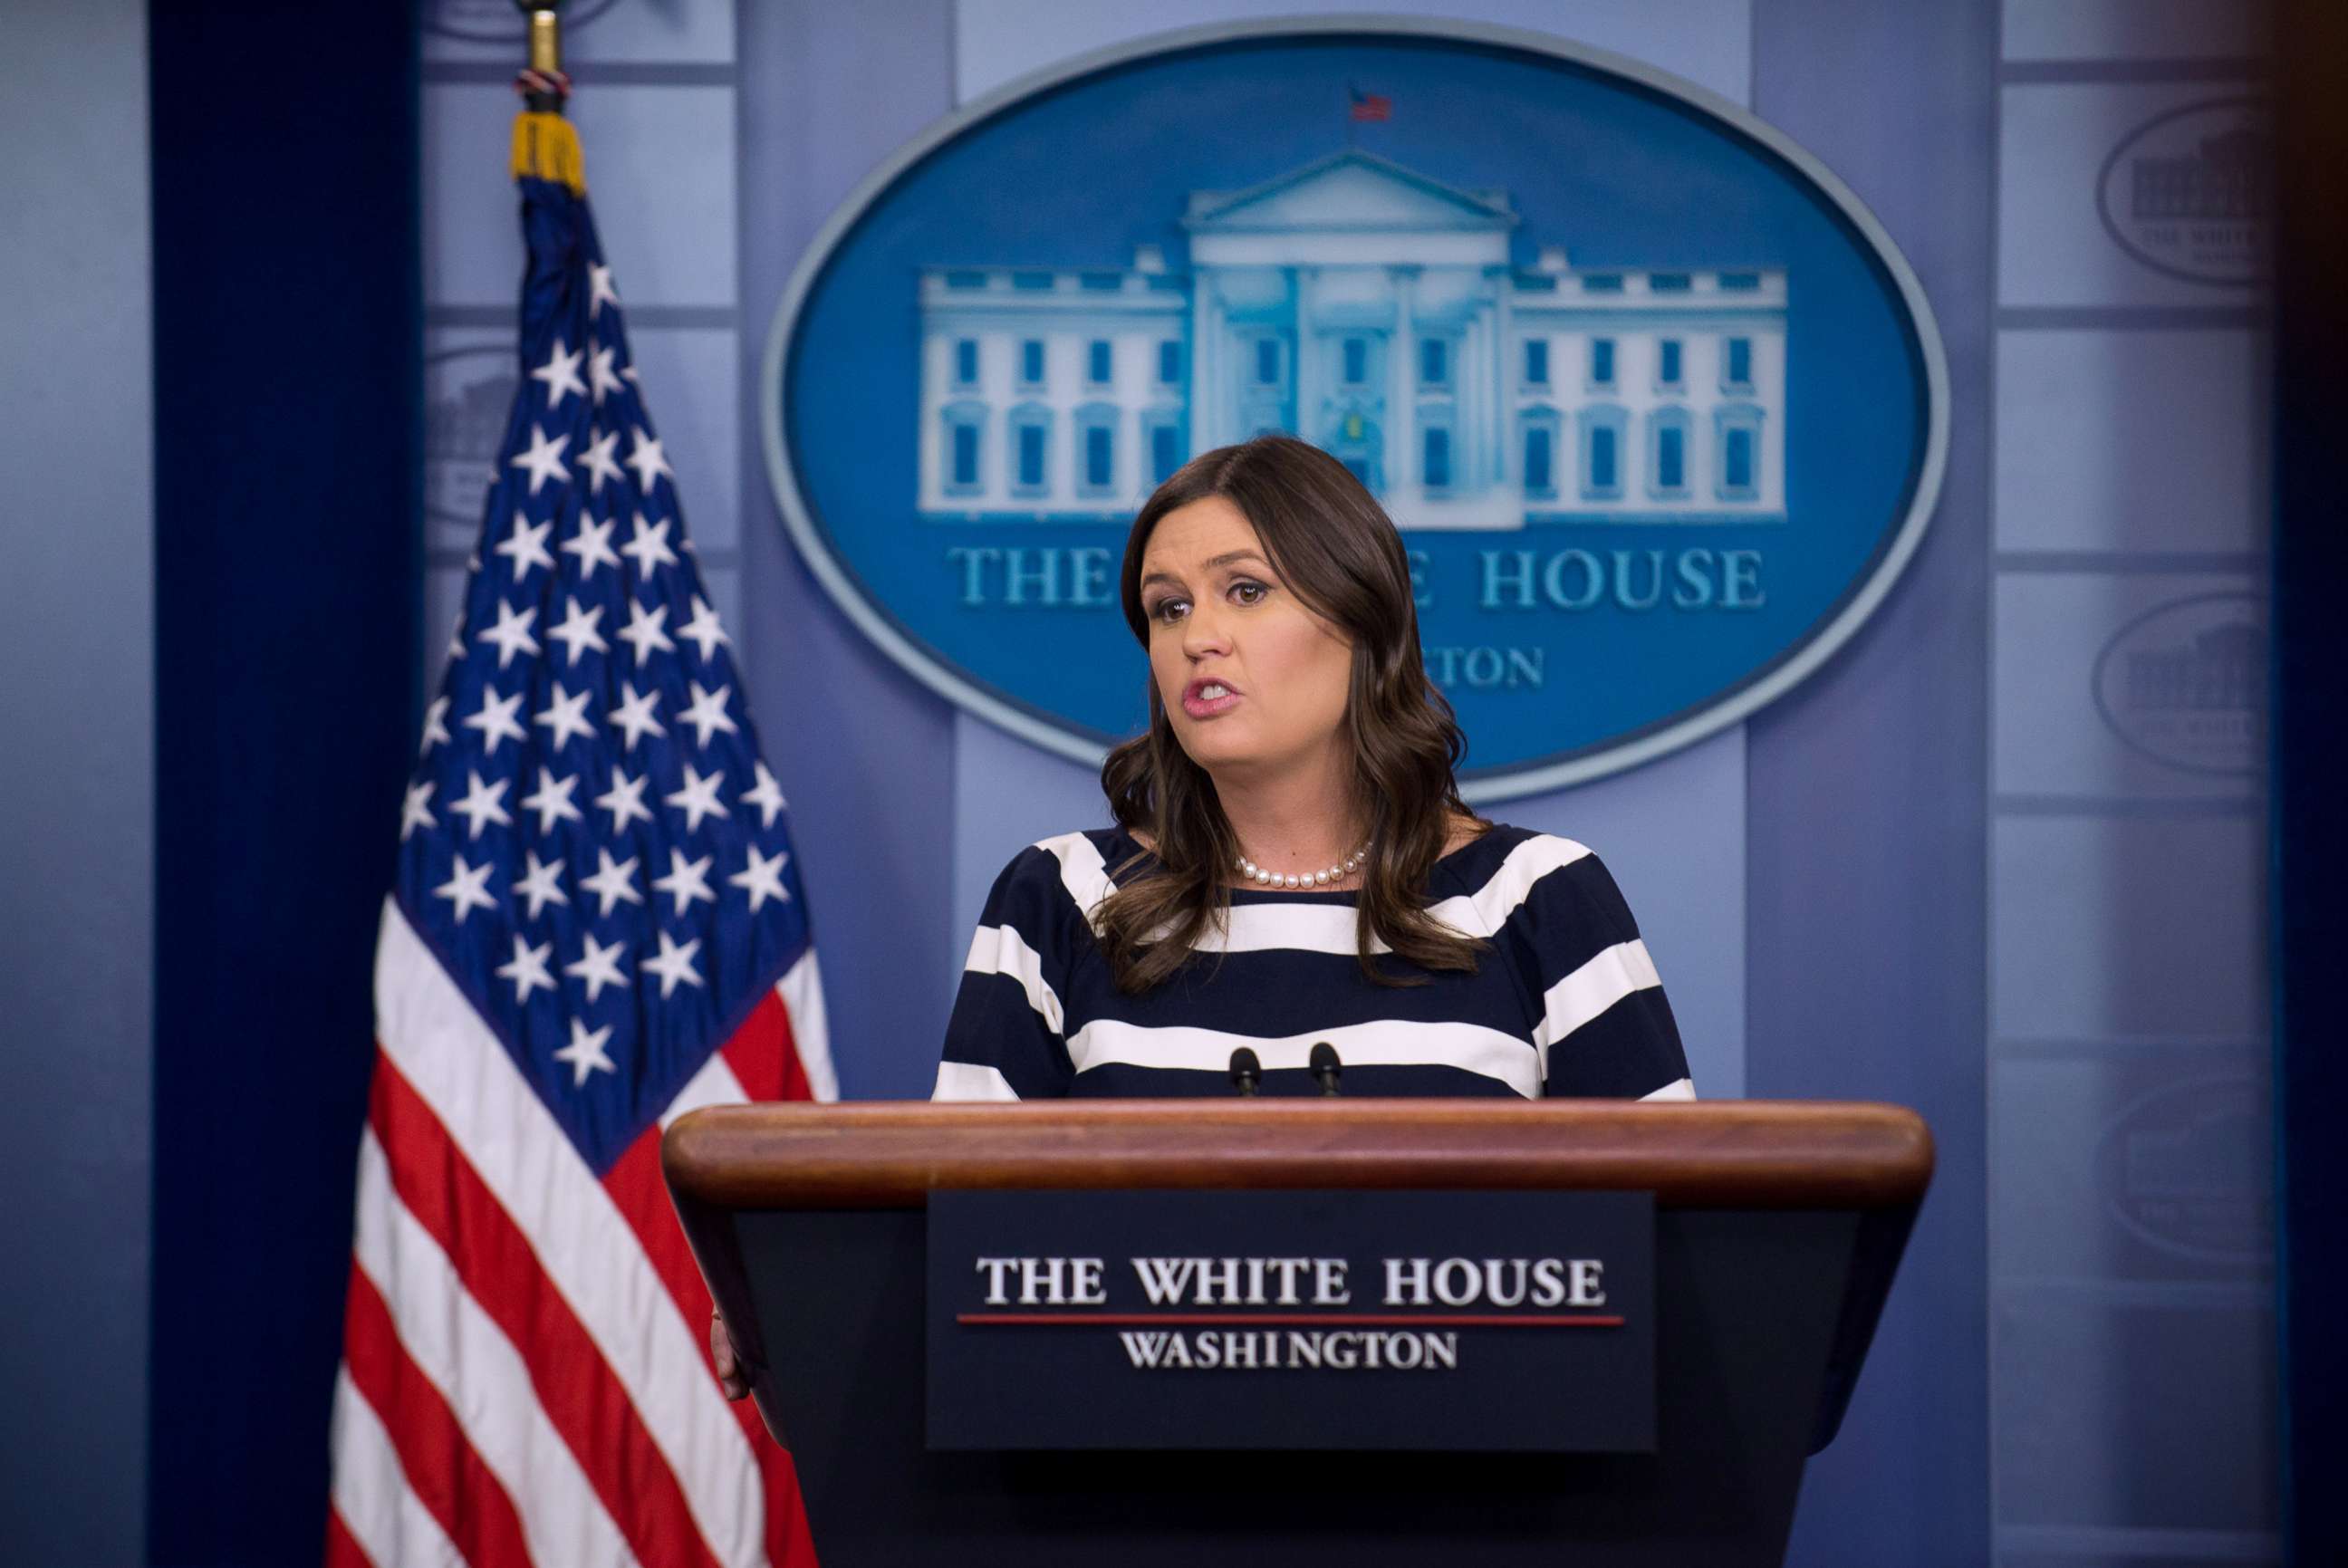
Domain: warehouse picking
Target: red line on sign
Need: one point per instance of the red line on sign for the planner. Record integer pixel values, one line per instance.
(1311, 1319)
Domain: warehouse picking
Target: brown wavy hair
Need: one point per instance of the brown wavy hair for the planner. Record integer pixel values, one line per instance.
(1334, 548)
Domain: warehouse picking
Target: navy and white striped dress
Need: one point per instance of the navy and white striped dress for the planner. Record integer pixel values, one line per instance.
(1565, 1000)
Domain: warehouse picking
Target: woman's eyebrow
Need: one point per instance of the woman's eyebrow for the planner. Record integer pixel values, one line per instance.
(1225, 559)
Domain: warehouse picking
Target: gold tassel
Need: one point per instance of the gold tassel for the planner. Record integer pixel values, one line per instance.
(546, 146)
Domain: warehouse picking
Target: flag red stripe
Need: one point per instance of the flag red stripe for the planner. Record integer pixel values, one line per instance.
(643, 1200)
(443, 1470)
(342, 1551)
(764, 1056)
(577, 1389)
(765, 1061)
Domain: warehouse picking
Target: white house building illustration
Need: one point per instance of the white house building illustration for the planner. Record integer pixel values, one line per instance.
(1373, 312)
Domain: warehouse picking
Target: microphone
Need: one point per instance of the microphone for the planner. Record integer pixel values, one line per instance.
(1325, 1065)
(1247, 1071)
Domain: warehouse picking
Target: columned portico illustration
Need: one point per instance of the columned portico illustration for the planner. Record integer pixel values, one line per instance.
(1381, 314)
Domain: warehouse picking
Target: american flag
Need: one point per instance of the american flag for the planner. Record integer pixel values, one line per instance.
(1369, 106)
(597, 926)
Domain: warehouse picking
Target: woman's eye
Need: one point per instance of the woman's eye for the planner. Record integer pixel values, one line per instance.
(1248, 592)
(1168, 609)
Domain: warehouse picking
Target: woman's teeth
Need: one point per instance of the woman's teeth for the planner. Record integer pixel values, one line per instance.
(1212, 690)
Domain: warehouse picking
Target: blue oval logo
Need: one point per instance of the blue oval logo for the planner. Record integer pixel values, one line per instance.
(1659, 408)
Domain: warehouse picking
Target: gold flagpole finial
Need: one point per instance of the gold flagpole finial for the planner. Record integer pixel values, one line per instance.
(542, 80)
(545, 146)
(545, 39)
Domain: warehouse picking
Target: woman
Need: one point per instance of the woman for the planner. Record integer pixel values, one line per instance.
(1291, 862)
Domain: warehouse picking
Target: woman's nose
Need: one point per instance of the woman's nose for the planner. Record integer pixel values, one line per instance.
(1203, 632)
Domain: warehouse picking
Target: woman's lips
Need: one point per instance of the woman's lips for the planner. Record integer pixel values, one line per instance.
(1205, 699)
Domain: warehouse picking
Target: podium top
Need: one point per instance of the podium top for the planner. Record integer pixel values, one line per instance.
(1726, 1154)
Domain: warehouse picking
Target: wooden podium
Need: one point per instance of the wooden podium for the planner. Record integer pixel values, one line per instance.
(1779, 1226)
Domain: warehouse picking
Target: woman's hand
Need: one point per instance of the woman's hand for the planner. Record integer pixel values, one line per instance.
(721, 1351)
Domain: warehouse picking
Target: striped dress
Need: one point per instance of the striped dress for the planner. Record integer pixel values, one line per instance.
(1564, 1001)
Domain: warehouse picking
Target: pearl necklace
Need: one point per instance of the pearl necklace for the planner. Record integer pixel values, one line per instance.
(1328, 878)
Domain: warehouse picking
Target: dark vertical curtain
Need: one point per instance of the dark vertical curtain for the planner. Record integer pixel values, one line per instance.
(285, 160)
(2311, 767)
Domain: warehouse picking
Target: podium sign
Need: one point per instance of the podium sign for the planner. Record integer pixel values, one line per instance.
(1316, 1320)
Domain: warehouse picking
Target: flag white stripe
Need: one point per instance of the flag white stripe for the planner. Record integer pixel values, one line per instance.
(459, 1351)
(801, 988)
(968, 1080)
(371, 1492)
(715, 1084)
(1387, 1042)
(1082, 870)
(1678, 1088)
(582, 1241)
(1610, 975)
(1001, 950)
